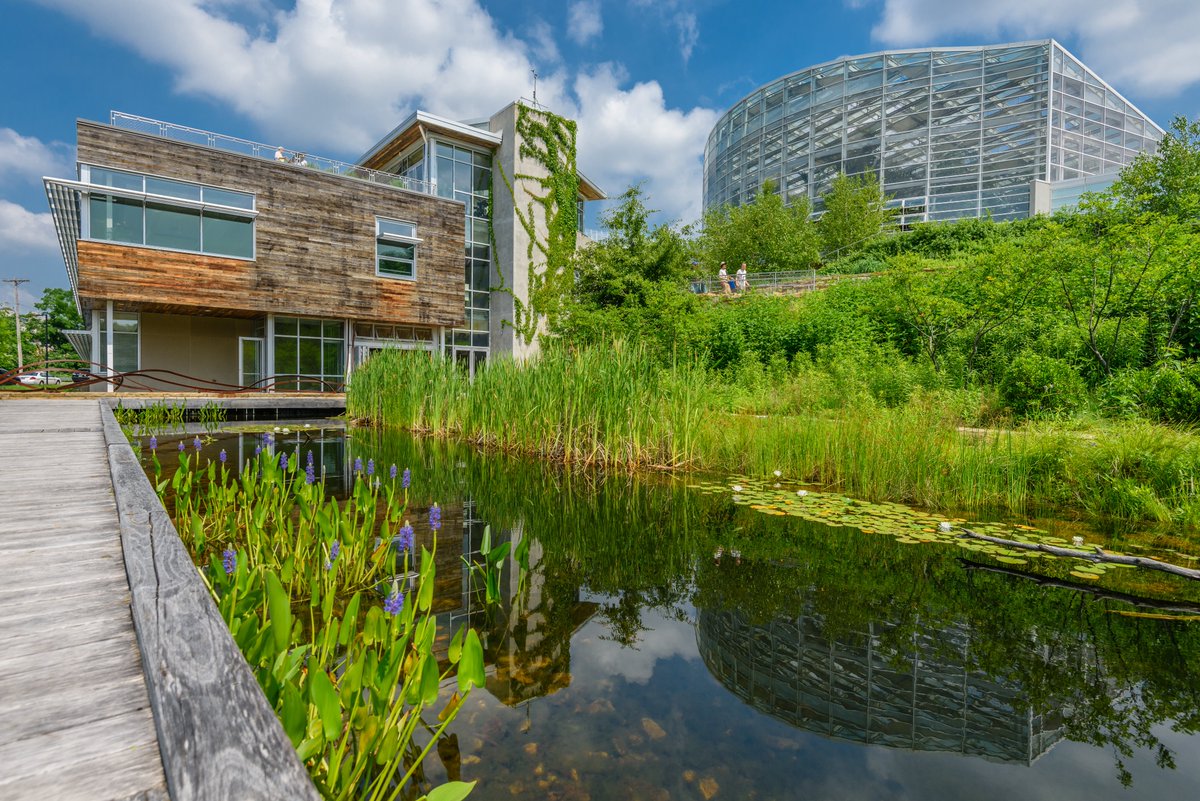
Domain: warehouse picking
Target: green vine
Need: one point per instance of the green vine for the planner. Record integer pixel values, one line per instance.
(549, 140)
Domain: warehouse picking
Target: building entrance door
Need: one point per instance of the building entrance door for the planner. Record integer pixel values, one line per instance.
(251, 351)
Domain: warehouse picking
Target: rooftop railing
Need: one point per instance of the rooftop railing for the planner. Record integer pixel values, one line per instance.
(245, 147)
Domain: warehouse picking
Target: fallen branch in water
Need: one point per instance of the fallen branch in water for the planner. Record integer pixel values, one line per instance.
(1095, 592)
(1095, 555)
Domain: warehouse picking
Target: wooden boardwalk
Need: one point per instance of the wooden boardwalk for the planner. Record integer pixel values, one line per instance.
(75, 717)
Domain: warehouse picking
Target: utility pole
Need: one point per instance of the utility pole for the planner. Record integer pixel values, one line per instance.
(16, 282)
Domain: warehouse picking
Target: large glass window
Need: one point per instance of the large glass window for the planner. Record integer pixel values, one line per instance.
(309, 352)
(164, 213)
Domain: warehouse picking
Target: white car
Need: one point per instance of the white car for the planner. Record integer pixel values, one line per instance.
(40, 379)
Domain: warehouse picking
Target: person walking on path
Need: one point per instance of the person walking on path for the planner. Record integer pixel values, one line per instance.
(742, 282)
(723, 279)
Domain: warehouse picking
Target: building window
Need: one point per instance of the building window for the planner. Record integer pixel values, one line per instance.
(309, 352)
(126, 342)
(174, 215)
(395, 248)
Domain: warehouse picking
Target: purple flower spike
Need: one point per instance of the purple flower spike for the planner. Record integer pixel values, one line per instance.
(406, 479)
(435, 517)
(310, 474)
(370, 467)
(283, 461)
(404, 541)
(310, 458)
(223, 456)
(196, 443)
(357, 464)
(229, 561)
(334, 550)
(181, 446)
(257, 450)
(153, 442)
(394, 603)
(392, 472)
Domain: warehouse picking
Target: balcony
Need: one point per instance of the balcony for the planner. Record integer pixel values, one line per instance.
(245, 147)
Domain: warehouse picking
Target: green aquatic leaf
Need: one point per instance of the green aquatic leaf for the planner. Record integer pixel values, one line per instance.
(325, 698)
(279, 607)
(450, 791)
(470, 666)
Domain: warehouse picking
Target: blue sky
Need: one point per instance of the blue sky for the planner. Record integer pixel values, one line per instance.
(646, 79)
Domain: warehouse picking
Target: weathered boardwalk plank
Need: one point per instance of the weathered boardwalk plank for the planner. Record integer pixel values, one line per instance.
(118, 678)
(75, 717)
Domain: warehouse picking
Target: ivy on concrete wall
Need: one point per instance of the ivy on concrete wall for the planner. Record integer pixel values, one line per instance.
(548, 140)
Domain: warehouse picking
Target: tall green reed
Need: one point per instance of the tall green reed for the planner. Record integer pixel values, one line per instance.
(617, 407)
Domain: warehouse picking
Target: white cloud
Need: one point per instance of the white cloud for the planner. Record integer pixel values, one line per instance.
(583, 21)
(23, 231)
(627, 135)
(28, 158)
(596, 660)
(689, 33)
(338, 74)
(1143, 45)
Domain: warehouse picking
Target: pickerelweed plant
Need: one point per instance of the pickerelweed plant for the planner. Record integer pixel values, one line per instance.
(332, 614)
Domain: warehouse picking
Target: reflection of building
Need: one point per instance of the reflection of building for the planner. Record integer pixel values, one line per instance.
(950, 132)
(854, 687)
(527, 637)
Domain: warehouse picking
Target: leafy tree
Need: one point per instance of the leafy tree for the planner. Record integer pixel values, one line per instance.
(1113, 268)
(1167, 181)
(631, 282)
(855, 213)
(765, 234)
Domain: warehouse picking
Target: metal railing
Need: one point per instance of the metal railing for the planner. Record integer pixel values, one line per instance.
(772, 282)
(245, 147)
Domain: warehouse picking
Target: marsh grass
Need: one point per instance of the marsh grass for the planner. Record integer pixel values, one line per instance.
(615, 407)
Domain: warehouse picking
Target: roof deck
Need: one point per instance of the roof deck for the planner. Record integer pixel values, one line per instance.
(246, 147)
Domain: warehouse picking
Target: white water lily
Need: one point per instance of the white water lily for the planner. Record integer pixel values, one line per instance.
(737, 487)
(944, 526)
(778, 474)
(276, 428)
(801, 493)
(285, 431)
(1077, 542)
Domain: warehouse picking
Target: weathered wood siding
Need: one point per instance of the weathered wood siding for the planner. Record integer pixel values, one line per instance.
(315, 233)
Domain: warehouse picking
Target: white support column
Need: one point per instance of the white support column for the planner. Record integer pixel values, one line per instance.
(108, 344)
(269, 347)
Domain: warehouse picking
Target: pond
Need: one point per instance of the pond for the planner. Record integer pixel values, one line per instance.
(670, 642)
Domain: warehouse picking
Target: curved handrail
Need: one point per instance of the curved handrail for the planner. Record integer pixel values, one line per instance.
(129, 380)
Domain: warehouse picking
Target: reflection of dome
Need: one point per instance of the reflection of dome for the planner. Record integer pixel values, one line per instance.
(857, 688)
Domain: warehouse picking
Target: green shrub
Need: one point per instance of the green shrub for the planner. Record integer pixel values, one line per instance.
(1035, 385)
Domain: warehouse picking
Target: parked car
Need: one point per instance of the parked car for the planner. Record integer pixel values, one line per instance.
(40, 378)
(79, 378)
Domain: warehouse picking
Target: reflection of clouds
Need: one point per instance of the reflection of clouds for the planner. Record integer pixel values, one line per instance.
(595, 660)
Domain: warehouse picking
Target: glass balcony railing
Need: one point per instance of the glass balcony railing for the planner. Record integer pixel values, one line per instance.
(245, 147)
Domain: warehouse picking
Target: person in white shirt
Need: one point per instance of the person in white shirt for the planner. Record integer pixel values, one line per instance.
(742, 282)
(723, 279)
(279, 155)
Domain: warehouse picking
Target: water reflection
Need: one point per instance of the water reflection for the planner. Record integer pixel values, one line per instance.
(856, 687)
(629, 662)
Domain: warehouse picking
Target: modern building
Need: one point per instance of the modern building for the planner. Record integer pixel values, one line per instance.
(205, 260)
(950, 132)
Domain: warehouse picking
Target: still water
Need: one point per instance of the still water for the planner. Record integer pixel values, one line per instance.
(669, 644)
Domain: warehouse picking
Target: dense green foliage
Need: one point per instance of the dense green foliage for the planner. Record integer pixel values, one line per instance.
(764, 234)
(855, 211)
